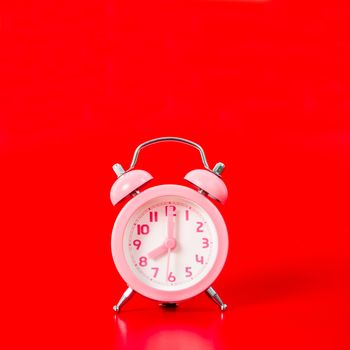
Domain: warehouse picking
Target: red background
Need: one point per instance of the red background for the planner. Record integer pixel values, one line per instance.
(262, 86)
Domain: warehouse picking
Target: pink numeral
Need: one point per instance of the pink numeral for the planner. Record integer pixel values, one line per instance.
(156, 269)
(137, 243)
(153, 216)
(205, 242)
(188, 271)
(200, 226)
(171, 277)
(172, 207)
(143, 229)
(143, 261)
(187, 214)
(200, 260)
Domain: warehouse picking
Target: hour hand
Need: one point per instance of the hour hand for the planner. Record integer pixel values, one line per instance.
(153, 254)
(169, 243)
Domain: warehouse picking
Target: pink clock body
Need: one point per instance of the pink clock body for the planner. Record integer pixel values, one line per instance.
(169, 243)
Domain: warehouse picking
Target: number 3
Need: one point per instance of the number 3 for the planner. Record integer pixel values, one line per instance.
(205, 242)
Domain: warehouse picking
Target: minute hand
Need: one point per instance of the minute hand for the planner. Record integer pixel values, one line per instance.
(171, 233)
(170, 242)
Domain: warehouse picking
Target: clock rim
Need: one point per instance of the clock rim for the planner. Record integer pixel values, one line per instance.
(118, 252)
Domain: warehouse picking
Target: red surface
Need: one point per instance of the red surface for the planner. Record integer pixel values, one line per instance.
(262, 86)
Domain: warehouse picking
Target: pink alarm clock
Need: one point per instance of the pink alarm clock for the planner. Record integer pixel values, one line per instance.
(169, 242)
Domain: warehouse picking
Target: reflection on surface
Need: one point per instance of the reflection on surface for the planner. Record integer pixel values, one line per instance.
(158, 328)
(176, 339)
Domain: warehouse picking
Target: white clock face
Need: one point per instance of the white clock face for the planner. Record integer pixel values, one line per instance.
(170, 243)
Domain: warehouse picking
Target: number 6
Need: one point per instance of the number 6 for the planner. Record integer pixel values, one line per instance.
(171, 277)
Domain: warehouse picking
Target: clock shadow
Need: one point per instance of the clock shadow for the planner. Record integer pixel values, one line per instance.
(280, 282)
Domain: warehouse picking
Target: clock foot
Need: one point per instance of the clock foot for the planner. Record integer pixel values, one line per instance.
(168, 305)
(215, 297)
(125, 297)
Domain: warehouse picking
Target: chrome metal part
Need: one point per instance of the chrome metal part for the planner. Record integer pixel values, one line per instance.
(125, 297)
(169, 139)
(118, 169)
(218, 168)
(216, 298)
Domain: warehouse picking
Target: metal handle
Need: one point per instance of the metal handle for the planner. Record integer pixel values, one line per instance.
(171, 139)
(217, 170)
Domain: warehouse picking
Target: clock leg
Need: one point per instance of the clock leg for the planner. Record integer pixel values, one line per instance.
(215, 297)
(168, 305)
(125, 297)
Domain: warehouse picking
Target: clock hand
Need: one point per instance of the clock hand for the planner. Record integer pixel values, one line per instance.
(156, 252)
(167, 265)
(171, 233)
(153, 254)
(170, 242)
